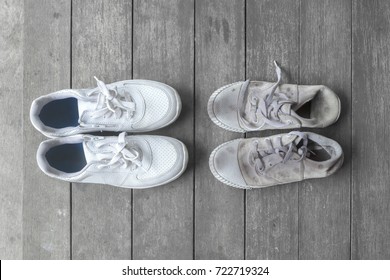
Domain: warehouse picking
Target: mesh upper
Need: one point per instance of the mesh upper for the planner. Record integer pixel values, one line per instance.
(156, 105)
(164, 158)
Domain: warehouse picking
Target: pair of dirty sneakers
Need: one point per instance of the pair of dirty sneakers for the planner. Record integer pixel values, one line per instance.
(279, 159)
(132, 161)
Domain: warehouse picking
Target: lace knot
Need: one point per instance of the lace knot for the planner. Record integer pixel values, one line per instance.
(111, 102)
(123, 155)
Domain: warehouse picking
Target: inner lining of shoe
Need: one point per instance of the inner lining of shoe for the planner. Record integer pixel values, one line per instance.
(60, 113)
(305, 110)
(68, 158)
(315, 150)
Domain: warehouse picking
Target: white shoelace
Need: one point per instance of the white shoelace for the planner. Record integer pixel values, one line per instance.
(268, 107)
(123, 156)
(110, 102)
(285, 152)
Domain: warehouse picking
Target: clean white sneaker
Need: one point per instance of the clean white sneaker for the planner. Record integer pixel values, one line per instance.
(132, 105)
(141, 161)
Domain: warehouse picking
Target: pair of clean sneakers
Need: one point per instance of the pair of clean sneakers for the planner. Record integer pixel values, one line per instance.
(278, 159)
(134, 161)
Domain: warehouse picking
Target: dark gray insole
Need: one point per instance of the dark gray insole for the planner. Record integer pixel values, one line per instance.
(67, 158)
(60, 113)
(316, 151)
(305, 110)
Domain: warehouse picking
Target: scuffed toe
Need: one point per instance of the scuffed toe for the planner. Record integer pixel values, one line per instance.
(224, 165)
(222, 107)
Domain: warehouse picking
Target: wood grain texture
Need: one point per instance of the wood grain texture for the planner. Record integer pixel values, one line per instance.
(272, 213)
(164, 51)
(324, 204)
(197, 46)
(11, 96)
(46, 202)
(220, 54)
(370, 130)
(102, 47)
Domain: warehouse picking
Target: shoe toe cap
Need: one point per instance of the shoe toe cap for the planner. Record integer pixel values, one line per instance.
(223, 107)
(224, 165)
(162, 106)
(169, 158)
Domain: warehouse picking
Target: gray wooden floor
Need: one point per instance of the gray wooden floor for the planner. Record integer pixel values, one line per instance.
(197, 46)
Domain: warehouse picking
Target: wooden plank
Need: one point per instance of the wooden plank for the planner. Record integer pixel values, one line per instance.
(220, 54)
(46, 202)
(272, 213)
(11, 96)
(370, 130)
(164, 51)
(324, 204)
(102, 47)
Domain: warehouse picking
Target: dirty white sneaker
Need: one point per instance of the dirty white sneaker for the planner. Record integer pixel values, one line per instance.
(274, 160)
(125, 161)
(254, 106)
(133, 106)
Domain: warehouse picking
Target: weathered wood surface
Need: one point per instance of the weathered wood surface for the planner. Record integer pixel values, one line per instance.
(370, 130)
(164, 51)
(46, 202)
(325, 59)
(197, 46)
(101, 47)
(220, 60)
(272, 33)
(11, 148)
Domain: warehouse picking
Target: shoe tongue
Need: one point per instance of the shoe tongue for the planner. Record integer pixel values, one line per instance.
(286, 108)
(94, 153)
(102, 148)
(288, 138)
(88, 107)
(84, 105)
